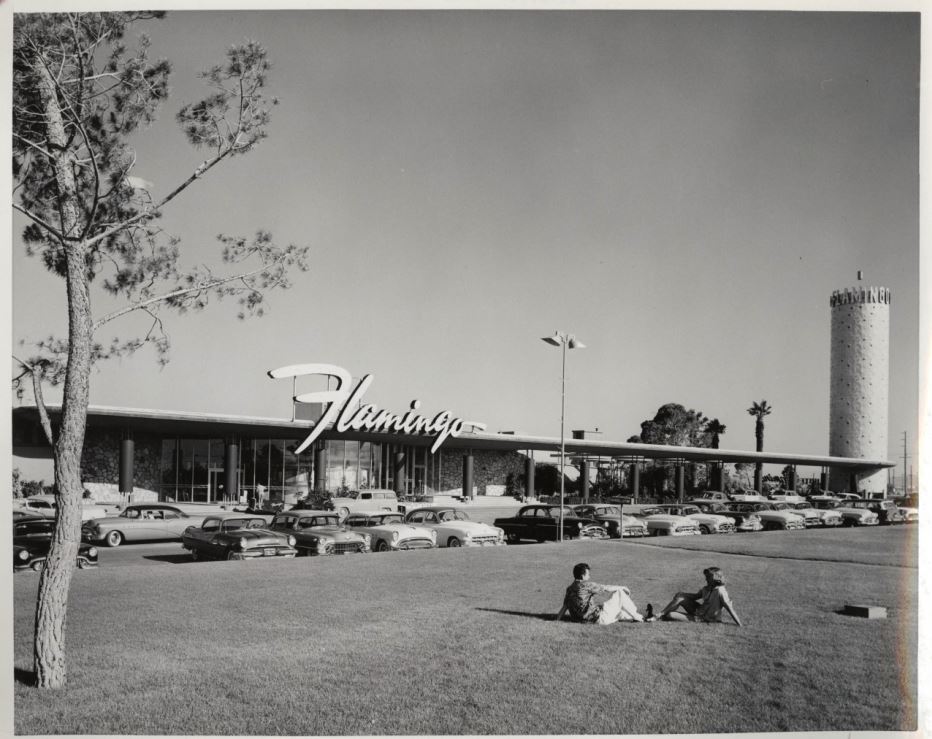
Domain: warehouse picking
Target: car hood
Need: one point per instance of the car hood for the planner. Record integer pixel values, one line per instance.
(403, 529)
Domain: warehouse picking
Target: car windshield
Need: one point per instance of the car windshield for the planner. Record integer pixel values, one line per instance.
(452, 516)
(689, 510)
(310, 521)
(233, 524)
(555, 511)
(131, 513)
(780, 506)
(607, 510)
(651, 511)
(386, 519)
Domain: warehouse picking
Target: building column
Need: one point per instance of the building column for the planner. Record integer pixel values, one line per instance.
(823, 481)
(320, 468)
(791, 479)
(231, 471)
(680, 475)
(127, 451)
(399, 470)
(717, 475)
(853, 483)
(758, 477)
(529, 477)
(584, 479)
(635, 480)
(467, 476)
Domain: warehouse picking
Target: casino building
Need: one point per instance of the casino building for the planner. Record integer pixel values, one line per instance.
(336, 442)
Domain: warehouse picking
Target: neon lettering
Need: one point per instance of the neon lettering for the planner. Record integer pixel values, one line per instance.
(340, 402)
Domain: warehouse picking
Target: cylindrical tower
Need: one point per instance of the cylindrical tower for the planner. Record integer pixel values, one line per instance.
(860, 382)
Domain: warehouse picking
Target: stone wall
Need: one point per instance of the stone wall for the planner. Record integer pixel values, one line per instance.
(488, 468)
(101, 459)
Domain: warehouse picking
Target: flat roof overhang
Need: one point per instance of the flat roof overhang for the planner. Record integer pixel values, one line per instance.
(209, 424)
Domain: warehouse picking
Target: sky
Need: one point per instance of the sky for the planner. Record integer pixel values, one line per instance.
(682, 191)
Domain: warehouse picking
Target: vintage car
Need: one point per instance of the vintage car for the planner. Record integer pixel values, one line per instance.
(773, 516)
(849, 516)
(616, 523)
(743, 520)
(815, 517)
(319, 532)
(236, 536)
(389, 532)
(713, 495)
(786, 496)
(454, 529)
(32, 537)
(746, 496)
(909, 514)
(44, 505)
(661, 523)
(142, 522)
(887, 511)
(709, 523)
(362, 501)
(542, 523)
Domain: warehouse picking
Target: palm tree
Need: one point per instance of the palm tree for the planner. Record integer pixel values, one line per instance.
(759, 410)
(715, 428)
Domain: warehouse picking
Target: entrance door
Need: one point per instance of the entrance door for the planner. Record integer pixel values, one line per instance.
(215, 482)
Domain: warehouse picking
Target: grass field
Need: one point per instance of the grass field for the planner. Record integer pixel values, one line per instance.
(462, 642)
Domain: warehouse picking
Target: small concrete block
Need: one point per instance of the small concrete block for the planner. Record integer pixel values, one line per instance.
(865, 611)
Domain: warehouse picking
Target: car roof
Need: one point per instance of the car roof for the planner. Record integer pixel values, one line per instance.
(303, 513)
(432, 508)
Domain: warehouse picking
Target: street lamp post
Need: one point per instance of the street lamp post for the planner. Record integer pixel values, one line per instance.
(566, 341)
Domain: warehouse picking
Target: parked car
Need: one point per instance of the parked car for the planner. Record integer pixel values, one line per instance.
(616, 523)
(849, 516)
(32, 537)
(887, 511)
(542, 523)
(785, 496)
(746, 496)
(745, 520)
(362, 501)
(909, 514)
(826, 517)
(661, 523)
(235, 536)
(142, 522)
(773, 516)
(319, 533)
(709, 523)
(413, 502)
(454, 529)
(45, 505)
(713, 495)
(389, 532)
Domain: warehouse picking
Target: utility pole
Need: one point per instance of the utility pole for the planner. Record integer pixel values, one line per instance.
(905, 457)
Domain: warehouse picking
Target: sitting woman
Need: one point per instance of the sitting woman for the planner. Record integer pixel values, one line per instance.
(590, 602)
(706, 605)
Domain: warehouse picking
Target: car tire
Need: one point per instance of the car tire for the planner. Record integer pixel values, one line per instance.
(454, 542)
(343, 511)
(512, 538)
(230, 556)
(195, 554)
(37, 565)
(382, 546)
(113, 539)
(704, 530)
(82, 564)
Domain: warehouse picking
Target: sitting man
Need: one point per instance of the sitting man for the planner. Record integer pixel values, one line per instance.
(590, 602)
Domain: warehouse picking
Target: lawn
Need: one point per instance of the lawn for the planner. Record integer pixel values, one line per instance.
(462, 642)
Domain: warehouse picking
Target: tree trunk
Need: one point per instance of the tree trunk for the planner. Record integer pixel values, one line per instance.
(52, 602)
